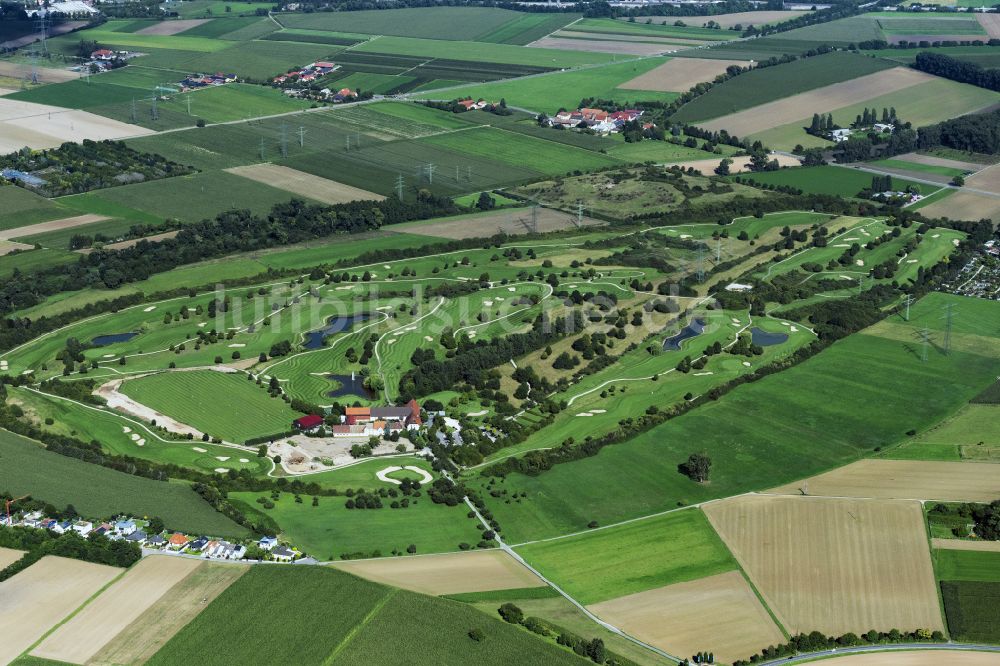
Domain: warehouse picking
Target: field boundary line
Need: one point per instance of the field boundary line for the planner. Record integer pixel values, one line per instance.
(375, 610)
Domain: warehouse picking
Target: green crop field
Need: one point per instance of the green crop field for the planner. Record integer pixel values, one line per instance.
(507, 54)
(107, 34)
(26, 468)
(262, 59)
(836, 180)
(550, 92)
(929, 24)
(973, 433)
(967, 565)
(240, 409)
(866, 391)
(770, 83)
(371, 624)
(922, 168)
(330, 530)
(985, 56)
(527, 28)
(613, 27)
(20, 207)
(647, 554)
(208, 8)
(448, 23)
(35, 259)
(972, 609)
(843, 31)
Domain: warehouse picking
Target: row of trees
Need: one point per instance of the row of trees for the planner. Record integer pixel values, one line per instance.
(975, 133)
(958, 70)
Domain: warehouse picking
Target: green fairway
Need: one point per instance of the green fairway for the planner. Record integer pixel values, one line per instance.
(647, 554)
(770, 83)
(550, 92)
(368, 624)
(970, 565)
(241, 410)
(99, 492)
(865, 392)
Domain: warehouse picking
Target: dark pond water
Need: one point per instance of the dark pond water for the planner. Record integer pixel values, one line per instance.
(765, 339)
(336, 324)
(692, 330)
(349, 386)
(113, 338)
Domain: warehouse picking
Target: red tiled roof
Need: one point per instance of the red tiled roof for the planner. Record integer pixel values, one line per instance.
(308, 421)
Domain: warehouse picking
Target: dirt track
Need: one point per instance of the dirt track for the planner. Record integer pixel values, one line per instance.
(52, 225)
(171, 27)
(680, 74)
(116, 608)
(451, 573)
(930, 160)
(36, 599)
(906, 479)
(304, 184)
(719, 613)
(835, 96)
(962, 544)
(834, 565)
(604, 46)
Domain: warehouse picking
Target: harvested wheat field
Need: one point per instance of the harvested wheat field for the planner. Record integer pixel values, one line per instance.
(6, 246)
(169, 614)
(680, 74)
(21, 70)
(835, 96)
(990, 23)
(987, 179)
(916, 658)
(905, 479)
(740, 164)
(615, 37)
(8, 556)
(451, 573)
(605, 46)
(116, 608)
(963, 205)
(964, 544)
(304, 184)
(41, 596)
(42, 126)
(52, 225)
(511, 221)
(726, 20)
(171, 27)
(834, 565)
(720, 614)
(931, 160)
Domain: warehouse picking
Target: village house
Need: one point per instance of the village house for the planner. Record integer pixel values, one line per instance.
(137, 536)
(283, 554)
(177, 541)
(125, 527)
(384, 420)
(267, 543)
(156, 541)
(307, 423)
(840, 135)
(198, 545)
(102, 54)
(597, 120)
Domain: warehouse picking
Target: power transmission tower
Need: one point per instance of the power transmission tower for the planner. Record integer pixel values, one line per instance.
(154, 111)
(701, 263)
(302, 136)
(430, 173)
(456, 173)
(399, 186)
(534, 219)
(284, 140)
(925, 334)
(261, 149)
(43, 30)
(718, 250)
(348, 137)
(579, 214)
(947, 326)
(909, 301)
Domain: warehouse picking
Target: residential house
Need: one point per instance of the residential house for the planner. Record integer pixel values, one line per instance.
(307, 422)
(840, 135)
(267, 543)
(156, 541)
(138, 536)
(283, 554)
(125, 527)
(61, 528)
(83, 527)
(102, 54)
(198, 545)
(384, 420)
(177, 541)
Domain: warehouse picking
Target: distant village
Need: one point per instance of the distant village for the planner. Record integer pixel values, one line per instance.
(302, 83)
(596, 120)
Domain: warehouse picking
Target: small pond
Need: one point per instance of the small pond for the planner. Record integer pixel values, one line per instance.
(112, 338)
(349, 385)
(335, 324)
(692, 330)
(766, 339)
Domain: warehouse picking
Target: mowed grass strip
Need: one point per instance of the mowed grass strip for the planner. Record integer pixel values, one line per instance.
(26, 468)
(548, 157)
(646, 554)
(967, 565)
(239, 409)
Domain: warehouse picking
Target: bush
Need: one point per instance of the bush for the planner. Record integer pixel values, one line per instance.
(511, 613)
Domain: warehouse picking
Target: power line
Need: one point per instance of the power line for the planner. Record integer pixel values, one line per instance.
(302, 136)
(947, 326)
(909, 301)
(925, 334)
(399, 186)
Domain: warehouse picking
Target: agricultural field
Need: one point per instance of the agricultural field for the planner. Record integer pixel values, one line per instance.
(836, 180)
(97, 491)
(971, 610)
(967, 565)
(450, 23)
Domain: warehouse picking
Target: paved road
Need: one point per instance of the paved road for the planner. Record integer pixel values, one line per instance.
(902, 647)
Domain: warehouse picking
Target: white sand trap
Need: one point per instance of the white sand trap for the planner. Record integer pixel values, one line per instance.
(199, 449)
(472, 334)
(384, 307)
(221, 470)
(126, 429)
(794, 329)
(598, 411)
(410, 328)
(428, 338)
(135, 437)
(383, 474)
(911, 261)
(108, 356)
(488, 303)
(954, 241)
(222, 458)
(844, 277)
(584, 414)
(735, 320)
(685, 235)
(140, 442)
(936, 236)
(785, 323)
(702, 374)
(511, 289)
(150, 308)
(859, 262)
(393, 341)
(236, 345)
(501, 298)
(851, 238)
(202, 324)
(348, 287)
(482, 412)
(842, 245)
(244, 460)
(746, 363)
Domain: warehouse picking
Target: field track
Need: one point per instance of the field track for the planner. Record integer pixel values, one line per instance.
(169, 614)
(452, 573)
(171, 27)
(835, 96)
(834, 565)
(42, 595)
(916, 658)
(720, 613)
(52, 225)
(962, 544)
(8, 556)
(116, 608)
(905, 479)
(304, 184)
(680, 74)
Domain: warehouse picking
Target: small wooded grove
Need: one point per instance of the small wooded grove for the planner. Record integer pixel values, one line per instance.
(958, 70)
(978, 133)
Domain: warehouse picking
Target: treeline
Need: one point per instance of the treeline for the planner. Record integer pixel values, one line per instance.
(38, 543)
(229, 232)
(958, 70)
(978, 133)
(803, 19)
(818, 642)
